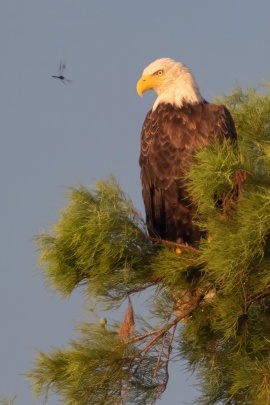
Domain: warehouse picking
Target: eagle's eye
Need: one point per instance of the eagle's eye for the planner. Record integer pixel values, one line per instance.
(159, 72)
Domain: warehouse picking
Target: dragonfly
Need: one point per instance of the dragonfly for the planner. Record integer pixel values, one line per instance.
(61, 76)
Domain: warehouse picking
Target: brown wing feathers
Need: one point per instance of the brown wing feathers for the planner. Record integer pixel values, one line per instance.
(169, 139)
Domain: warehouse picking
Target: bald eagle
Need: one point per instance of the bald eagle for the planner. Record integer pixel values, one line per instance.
(180, 123)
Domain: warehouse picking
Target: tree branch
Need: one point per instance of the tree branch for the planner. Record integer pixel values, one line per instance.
(170, 243)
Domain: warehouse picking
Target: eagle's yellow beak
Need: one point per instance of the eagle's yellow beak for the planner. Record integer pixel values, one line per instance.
(147, 82)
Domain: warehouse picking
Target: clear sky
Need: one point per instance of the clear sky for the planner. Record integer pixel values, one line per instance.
(55, 136)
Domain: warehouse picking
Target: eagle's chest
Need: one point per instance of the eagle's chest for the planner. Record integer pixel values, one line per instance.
(172, 136)
(172, 139)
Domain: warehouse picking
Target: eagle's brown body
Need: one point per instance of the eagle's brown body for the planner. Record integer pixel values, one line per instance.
(170, 138)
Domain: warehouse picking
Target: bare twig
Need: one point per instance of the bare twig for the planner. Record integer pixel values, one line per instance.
(160, 355)
(168, 360)
(159, 334)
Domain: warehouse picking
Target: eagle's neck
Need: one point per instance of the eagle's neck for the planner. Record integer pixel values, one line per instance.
(178, 92)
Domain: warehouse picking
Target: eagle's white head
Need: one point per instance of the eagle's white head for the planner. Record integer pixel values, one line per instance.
(172, 81)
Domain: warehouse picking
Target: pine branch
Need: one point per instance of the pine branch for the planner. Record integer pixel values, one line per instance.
(170, 243)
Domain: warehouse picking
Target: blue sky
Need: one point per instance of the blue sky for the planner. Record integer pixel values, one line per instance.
(55, 136)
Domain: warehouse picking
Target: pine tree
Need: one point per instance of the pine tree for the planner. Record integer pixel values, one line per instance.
(219, 292)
